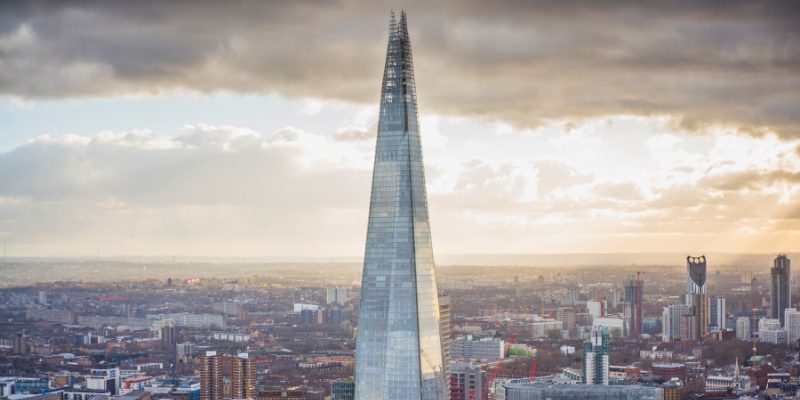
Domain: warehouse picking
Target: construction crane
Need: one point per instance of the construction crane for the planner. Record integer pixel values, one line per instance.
(496, 369)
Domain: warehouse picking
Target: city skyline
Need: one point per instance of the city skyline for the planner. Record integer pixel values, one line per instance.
(549, 128)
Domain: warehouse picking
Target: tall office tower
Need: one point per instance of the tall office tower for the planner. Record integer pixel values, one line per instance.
(243, 378)
(696, 269)
(211, 376)
(445, 328)
(743, 328)
(755, 296)
(399, 347)
(792, 324)
(567, 317)
(780, 290)
(696, 293)
(596, 357)
(633, 288)
(717, 313)
(671, 321)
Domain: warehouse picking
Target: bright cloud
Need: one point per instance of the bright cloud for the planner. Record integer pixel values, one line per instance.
(227, 190)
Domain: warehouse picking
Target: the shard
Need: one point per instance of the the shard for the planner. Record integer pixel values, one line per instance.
(398, 348)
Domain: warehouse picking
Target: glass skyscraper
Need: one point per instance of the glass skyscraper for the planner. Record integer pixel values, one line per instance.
(398, 348)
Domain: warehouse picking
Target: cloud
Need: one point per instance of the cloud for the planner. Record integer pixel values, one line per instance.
(707, 63)
(231, 190)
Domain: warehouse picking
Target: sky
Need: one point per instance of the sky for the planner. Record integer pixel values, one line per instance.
(247, 128)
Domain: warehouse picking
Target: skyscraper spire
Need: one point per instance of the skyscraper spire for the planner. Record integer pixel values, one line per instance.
(398, 349)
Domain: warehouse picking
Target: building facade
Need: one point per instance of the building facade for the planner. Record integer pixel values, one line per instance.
(445, 330)
(489, 349)
(780, 289)
(243, 378)
(717, 313)
(634, 293)
(671, 321)
(792, 325)
(743, 328)
(527, 391)
(399, 349)
(336, 295)
(596, 358)
(211, 386)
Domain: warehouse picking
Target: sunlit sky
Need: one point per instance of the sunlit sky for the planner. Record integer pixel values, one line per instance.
(248, 129)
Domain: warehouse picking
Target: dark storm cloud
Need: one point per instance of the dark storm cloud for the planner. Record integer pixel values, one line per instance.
(706, 62)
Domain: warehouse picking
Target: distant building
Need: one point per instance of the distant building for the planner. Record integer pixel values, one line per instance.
(770, 331)
(780, 290)
(336, 295)
(743, 328)
(335, 316)
(445, 330)
(596, 308)
(72, 393)
(168, 337)
(297, 307)
(22, 344)
(211, 386)
(718, 317)
(567, 317)
(231, 337)
(633, 288)
(541, 328)
(307, 316)
(527, 391)
(596, 357)
(667, 371)
(342, 389)
(688, 327)
(671, 321)
(792, 325)
(107, 378)
(468, 379)
(243, 378)
(696, 293)
(282, 395)
(200, 321)
(184, 350)
(65, 317)
(489, 349)
(613, 323)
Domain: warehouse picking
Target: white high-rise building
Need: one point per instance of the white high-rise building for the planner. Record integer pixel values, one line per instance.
(792, 325)
(743, 328)
(671, 321)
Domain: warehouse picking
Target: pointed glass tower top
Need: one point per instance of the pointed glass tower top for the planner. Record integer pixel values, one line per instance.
(398, 349)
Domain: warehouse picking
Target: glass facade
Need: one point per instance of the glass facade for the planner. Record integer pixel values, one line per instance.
(398, 349)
